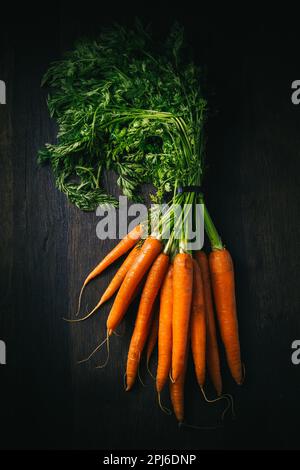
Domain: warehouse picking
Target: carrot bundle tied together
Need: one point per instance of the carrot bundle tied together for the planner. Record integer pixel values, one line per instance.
(185, 316)
(135, 130)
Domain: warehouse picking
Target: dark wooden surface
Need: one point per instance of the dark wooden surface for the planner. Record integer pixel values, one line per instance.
(48, 246)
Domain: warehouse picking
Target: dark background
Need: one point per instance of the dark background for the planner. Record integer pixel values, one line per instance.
(48, 246)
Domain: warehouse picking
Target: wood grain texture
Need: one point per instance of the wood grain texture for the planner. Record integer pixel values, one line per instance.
(48, 246)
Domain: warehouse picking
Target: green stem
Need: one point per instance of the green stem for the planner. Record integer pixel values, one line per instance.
(214, 237)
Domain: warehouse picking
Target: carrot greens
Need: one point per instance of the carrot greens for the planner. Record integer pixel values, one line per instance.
(122, 104)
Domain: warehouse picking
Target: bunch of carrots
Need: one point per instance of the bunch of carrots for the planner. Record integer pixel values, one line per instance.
(136, 106)
(178, 292)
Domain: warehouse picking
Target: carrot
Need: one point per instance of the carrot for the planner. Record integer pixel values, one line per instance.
(198, 326)
(141, 328)
(122, 247)
(212, 350)
(182, 299)
(149, 251)
(114, 284)
(125, 244)
(119, 276)
(165, 331)
(222, 276)
(177, 391)
(153, 335)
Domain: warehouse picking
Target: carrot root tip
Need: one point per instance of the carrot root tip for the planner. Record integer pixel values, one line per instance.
(79, 300)
(171, 378)
(108, 353)
(229, 406)
(163, 408)
(139, 376)
(148, 369)
(93, 352)
(199, 428)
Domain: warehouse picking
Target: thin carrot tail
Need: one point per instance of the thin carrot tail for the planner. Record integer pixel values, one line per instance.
(76, 320)
(163, 408)
(94, 351)
(230, 406)
(148, 368)
(227, 397)
(171, 378)
(139, 376)
(199, 428)
(79, 299)
(101, 366)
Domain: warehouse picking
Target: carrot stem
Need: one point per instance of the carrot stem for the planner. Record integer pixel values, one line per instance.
(214, 237)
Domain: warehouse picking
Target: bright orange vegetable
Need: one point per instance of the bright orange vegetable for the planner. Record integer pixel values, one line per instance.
(153, 333)
(212, 350)
(222, 275)
(141, 329)
(148, 253)
(177, 392)
(198, 325)
(165, 331)
(125, 244)
(119, 276)
(122, 247)
(182, 300)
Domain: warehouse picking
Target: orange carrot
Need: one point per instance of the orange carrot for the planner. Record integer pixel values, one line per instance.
(125, 244)
(119, 276)
(122, 247)
(114, 284)
(177, 391)
(212, 350)
(148, 252)
(153, 333)
(165, 331)
(182, 299)
(222, 276)
(153, 283)
(198, 325)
